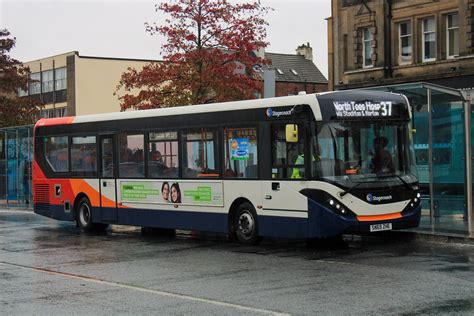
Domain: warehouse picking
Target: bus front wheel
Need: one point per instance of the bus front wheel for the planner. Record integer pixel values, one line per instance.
(246, 225)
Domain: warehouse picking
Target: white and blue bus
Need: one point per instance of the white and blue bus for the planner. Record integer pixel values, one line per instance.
(306, 166)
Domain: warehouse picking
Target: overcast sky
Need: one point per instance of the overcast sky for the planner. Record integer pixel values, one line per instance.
(108, 28)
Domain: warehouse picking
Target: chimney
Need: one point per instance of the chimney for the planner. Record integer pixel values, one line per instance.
(306, 51)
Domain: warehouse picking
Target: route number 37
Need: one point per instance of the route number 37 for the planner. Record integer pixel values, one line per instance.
(386, 108)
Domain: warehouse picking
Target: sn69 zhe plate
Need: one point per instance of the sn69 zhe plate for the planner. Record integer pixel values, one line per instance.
(380, 227)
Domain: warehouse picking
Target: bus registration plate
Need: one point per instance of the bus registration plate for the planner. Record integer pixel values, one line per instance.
(380, 227)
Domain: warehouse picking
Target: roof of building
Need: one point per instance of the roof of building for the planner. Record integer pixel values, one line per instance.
(294, 68)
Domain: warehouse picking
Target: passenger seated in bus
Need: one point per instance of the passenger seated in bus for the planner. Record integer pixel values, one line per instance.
(382, 161)
(156, 167)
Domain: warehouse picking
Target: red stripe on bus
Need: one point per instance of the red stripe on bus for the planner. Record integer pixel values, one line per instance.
(55, 121)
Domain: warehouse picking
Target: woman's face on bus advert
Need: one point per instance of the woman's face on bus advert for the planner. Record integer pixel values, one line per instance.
(165, 191)
(175, 198)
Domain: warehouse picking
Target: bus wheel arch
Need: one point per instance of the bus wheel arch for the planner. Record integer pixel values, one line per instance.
(83, 212)
(243, 222)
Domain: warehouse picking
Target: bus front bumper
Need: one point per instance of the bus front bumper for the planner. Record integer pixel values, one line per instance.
(325, 223)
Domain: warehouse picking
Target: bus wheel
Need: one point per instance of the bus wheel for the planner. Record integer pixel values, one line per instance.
(245, 224)
(84, 214)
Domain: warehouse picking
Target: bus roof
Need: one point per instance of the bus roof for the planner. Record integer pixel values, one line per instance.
(309, 99)
(322, 105)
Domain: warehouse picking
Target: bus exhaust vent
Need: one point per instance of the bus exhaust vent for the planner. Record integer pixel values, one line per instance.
(42, 197)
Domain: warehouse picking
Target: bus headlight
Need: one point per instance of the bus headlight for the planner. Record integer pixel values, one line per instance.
(418, 195)
(331, 202)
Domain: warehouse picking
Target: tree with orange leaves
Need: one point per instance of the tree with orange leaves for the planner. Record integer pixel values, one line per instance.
(209, 56)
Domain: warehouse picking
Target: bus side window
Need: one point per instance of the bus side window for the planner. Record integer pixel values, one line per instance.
(287, 158)
(240, 152)
(131, 156)
(199, 153)
(163, 156)
(56, 153)
(84, 154)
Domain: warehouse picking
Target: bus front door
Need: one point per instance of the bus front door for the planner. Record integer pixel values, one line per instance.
(108, 189)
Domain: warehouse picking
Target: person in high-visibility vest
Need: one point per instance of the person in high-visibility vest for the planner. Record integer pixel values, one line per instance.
(296, 173)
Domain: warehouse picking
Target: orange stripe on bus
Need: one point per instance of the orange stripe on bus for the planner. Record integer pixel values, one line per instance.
(94, 196)
(369, 218)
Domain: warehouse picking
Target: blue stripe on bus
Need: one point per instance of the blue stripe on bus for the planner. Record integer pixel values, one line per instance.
(212, 222)
(53, 211)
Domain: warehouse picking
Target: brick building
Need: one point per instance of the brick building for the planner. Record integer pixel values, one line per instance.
(373, 42)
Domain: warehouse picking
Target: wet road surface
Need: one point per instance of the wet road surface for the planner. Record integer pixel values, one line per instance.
(49, 267)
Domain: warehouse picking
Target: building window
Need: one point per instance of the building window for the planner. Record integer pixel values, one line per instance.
(452, 35)
(429, 40)
(367, 47)
(47, 81)
(35, 83)
(22, 93)
(405, 43)
(50, 113)
(61, 76)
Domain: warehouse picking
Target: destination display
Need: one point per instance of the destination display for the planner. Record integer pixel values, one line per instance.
(363, 104)
(363, 109)
(174, 192)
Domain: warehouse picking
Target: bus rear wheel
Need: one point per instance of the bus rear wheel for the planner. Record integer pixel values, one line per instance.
(246, 225)
(84, 217)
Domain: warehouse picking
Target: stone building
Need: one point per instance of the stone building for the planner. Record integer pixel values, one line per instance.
(375, 42)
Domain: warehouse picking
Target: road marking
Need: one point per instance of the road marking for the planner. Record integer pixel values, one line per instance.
(145, 290)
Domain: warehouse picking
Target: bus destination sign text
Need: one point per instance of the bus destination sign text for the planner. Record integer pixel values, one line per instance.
(363, 109)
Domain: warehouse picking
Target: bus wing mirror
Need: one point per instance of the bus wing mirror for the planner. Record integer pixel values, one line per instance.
(291, 133)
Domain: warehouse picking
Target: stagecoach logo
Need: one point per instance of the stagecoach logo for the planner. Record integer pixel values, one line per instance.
(271, 113)
(372, 198)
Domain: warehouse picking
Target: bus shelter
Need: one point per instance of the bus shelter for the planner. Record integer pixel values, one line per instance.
(16, 155)
(442, 133)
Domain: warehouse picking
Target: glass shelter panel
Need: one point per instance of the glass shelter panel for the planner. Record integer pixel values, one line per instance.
(448, 156)
(16, 154)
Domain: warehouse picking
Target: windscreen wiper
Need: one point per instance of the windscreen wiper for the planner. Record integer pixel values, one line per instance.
(399, 177)
(356, 185)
